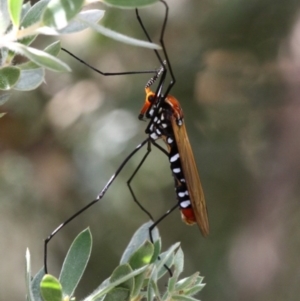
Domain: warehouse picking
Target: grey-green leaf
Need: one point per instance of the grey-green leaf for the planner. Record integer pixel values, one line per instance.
(138, 238)
(75, 262)
(178, 263)
(33, 16)
(36, 284)
(4, 16)
(129, 3)
(28, 277)
(119, 273)
(39, 57)
(30, 79)
(187, 282)
(9, 77)
(59, 12)
(52, 49)
(93, 16)
(51, 289)
(118, 36)
(118, 294)
(107, 287)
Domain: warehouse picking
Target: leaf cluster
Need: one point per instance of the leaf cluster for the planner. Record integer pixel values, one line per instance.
(137, 277)
(21, 23)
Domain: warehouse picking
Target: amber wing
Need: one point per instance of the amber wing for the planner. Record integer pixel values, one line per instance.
(191, 176)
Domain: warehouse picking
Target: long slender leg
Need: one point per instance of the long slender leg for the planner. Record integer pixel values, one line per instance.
(133, 175)
(106, 73)
(98, 198)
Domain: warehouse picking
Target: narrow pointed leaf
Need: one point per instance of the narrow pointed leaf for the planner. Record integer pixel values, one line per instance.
(39, 57)
(75, 262)
(194, 290)
(15, 8)
(33, 16)
(93, 16)
(102, 290)
(9, 77)
(59, 12)
(28, 277)
(178, 263)
(51, 289)
(119, 37)
(4, 16)
(187, 282)
(129, 3)
(166, 258)
(52, 49)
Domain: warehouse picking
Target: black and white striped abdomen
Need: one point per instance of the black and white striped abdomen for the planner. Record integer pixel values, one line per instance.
(161, 127)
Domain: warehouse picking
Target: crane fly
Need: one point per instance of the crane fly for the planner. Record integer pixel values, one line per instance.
(166, 122)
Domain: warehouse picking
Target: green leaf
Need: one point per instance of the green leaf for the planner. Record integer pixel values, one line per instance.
(33, 16)
(118, 294)
(28, 276)
(51, 289)
(30, 79)
(92, 15)
(186, 282)
(2, 114)
(25, 8)
(166, 258)
(9, 77)
(142, 255)
(138, 284)
(129, 3)
(36, 285)
(107, 286)
(138, 239)
(119, 273)
(194, 290)
(15, 8)
(157, 249)
(39, 57)
(52, 49)
(4, 16)
(4, 98)
(178, 263)
(118, 36)
(75, 262)
(59, 12)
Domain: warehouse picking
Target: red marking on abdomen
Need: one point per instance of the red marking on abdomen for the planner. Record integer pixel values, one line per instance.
(187, 215)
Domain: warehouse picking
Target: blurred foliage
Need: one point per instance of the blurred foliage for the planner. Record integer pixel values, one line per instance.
(237, 68)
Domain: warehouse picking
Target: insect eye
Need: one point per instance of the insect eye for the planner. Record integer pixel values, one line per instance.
(151, 98)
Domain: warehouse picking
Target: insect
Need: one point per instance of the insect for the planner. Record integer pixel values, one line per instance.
(165, 121)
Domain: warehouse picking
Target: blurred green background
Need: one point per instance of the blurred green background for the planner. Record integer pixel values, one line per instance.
(237, 68)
